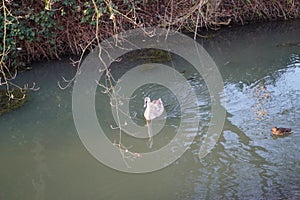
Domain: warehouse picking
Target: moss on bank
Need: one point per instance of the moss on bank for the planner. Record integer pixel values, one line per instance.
(7, 104)
(149, 56)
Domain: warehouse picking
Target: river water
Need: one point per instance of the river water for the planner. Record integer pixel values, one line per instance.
(42, 156)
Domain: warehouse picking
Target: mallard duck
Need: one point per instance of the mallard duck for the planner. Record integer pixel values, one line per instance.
(153, 109)
(281, 131)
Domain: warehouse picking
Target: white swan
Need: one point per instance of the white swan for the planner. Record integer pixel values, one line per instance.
(153, 109)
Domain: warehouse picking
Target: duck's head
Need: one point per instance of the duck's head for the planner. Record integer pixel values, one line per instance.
(274, 129)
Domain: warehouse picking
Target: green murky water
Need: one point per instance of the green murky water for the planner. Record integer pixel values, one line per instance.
(42, 156)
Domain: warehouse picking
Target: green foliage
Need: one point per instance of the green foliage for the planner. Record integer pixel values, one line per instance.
(89, 11)
(12, 31)
(38, 23)
(25, 24)
(42, 25)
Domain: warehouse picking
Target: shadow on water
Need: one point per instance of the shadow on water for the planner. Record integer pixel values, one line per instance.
(42, 156)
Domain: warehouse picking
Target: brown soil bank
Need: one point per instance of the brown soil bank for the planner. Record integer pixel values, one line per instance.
(33, 30)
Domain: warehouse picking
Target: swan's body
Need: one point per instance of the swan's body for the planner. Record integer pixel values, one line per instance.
(153, 109)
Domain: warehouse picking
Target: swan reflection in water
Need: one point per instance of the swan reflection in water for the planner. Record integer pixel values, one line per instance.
(153, 110)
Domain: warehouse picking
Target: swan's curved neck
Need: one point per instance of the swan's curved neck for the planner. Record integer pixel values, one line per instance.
(147, 109)
(147, 113)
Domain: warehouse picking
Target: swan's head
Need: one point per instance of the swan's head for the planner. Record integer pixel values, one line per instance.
(146, 101)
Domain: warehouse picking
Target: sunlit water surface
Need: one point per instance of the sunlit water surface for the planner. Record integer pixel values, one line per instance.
(42, 156)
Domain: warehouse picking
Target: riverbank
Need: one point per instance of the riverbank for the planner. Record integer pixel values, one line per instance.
(45, 30)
